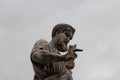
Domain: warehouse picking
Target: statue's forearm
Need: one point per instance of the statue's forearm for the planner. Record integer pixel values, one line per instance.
(43, 57)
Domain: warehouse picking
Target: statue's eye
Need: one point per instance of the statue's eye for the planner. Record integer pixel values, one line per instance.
(67, 34)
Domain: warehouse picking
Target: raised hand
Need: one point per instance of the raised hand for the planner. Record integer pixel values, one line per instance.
(72, 49)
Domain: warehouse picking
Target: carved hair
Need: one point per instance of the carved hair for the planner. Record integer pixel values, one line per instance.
(60, 28)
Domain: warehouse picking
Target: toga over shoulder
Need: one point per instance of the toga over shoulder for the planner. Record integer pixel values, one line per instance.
(39, 47)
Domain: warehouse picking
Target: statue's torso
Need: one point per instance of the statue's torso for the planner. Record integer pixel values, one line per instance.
(50, 69)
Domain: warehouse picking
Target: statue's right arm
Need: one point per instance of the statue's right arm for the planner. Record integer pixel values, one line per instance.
(41, 55)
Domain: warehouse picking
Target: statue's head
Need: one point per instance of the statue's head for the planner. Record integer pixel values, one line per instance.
(61, 35)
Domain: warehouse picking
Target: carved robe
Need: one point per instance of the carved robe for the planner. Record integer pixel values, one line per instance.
(48, 67)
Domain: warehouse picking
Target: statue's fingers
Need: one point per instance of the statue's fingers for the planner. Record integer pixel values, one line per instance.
(75, 50)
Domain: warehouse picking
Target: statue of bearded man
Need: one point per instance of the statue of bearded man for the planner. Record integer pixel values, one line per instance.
(48, 62)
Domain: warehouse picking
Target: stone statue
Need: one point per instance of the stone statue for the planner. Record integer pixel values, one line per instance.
(48, 62)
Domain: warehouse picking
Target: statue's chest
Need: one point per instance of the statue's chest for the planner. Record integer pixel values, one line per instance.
(55, 67)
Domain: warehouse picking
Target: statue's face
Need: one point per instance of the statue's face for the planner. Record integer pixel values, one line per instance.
(61, 41)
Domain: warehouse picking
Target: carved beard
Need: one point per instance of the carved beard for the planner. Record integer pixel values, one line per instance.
(61, 46)
(60, 42)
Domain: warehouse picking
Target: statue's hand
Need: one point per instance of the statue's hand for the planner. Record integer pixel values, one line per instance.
(70, 64)
(71, 51)
(74, 48)
(71, 55)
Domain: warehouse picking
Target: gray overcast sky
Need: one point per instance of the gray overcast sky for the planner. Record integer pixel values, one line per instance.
(97, 23)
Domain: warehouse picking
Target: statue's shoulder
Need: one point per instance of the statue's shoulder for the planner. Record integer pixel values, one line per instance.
(42, 42)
